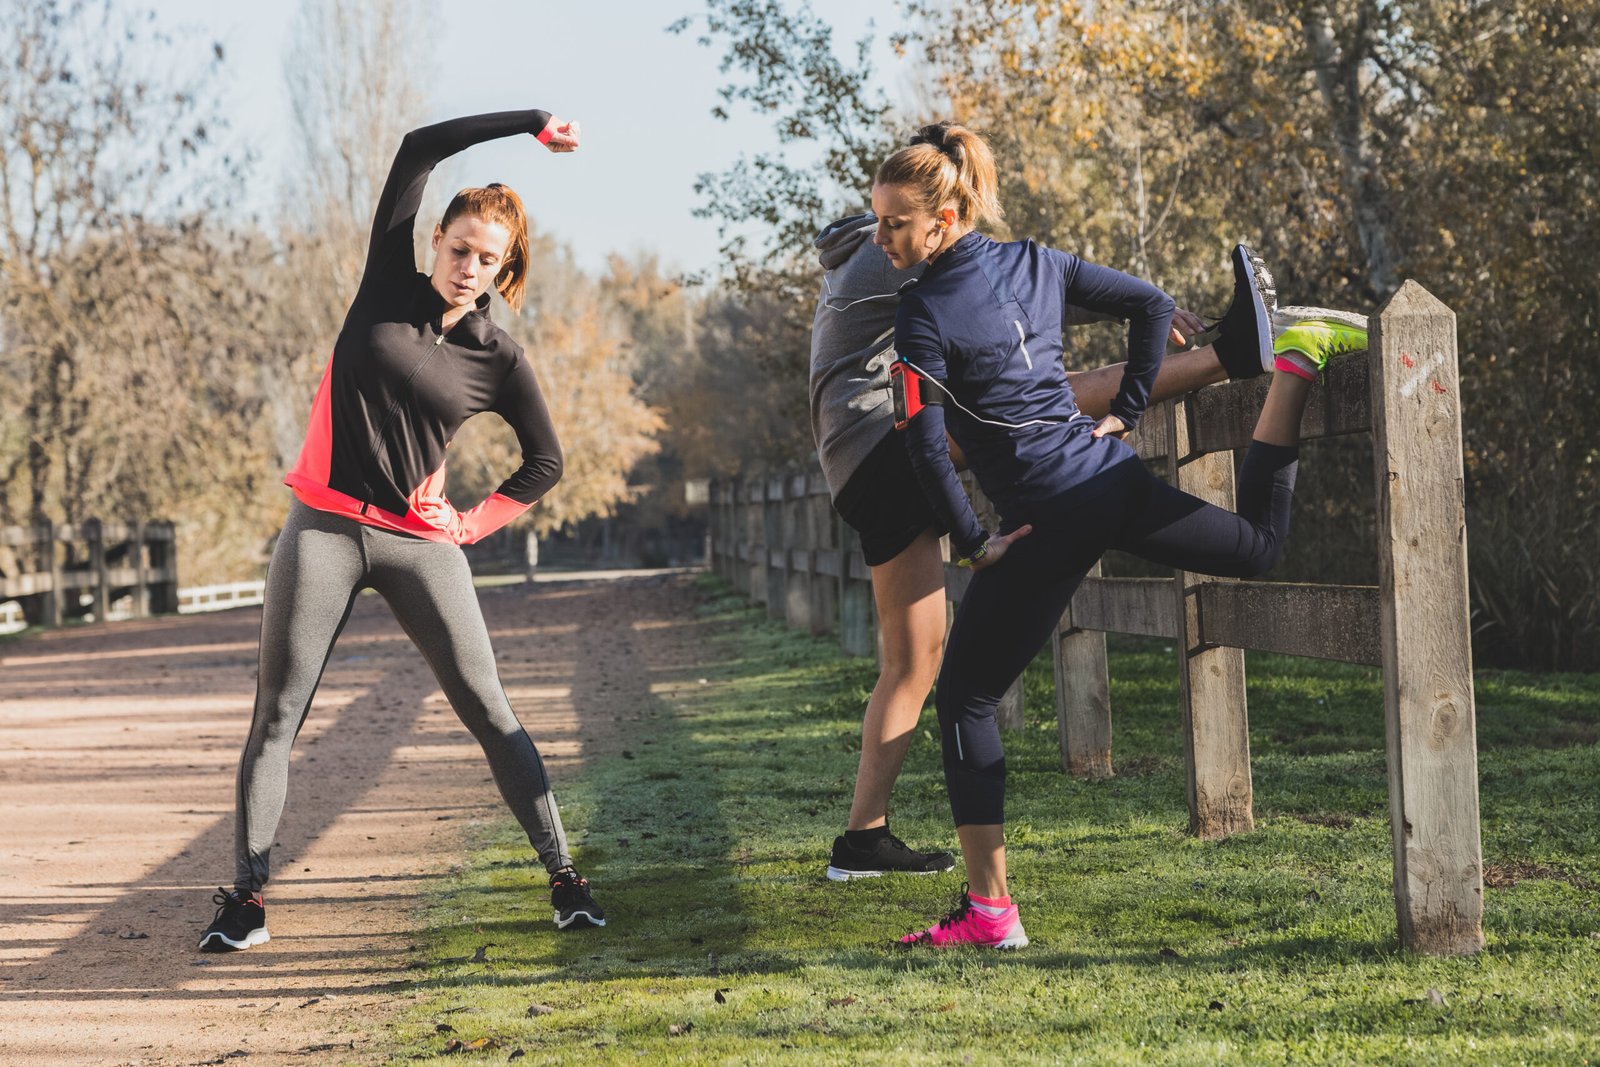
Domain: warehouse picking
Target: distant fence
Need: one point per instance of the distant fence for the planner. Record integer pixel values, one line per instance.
(91, 569)
(776, 539)
(202, 598)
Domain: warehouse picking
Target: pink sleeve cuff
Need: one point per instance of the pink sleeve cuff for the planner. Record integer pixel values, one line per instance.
(549, 131)
(487, 517)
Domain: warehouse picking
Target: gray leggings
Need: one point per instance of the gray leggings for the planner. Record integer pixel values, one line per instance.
(320, 563)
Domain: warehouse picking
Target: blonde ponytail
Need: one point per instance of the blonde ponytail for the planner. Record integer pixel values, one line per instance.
(943, 162)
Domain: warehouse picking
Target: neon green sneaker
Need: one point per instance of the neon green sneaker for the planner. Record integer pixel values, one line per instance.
(1305, 347)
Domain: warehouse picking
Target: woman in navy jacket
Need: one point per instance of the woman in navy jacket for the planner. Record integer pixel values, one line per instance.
(981, 331)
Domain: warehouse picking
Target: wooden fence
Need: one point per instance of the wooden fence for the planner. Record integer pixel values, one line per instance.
(60, 572)
(776, 539)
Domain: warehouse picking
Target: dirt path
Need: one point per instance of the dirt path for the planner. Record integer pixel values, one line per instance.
(118, 747)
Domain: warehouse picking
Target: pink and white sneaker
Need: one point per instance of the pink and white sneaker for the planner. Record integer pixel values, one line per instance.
(992, 924)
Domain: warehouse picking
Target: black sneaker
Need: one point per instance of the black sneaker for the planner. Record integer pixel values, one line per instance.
(573, 904)
(888, 855)
(1244, 341)
(241, 923)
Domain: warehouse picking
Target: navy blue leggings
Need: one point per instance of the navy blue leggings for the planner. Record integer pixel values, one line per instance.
(1012, 608)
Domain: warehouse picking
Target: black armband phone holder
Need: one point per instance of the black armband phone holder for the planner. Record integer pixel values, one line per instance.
(909, 396)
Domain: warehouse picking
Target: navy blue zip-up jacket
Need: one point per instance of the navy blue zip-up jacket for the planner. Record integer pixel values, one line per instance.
(985, 322)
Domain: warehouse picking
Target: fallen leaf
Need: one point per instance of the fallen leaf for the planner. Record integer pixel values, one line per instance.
(841, 1002)
(477, 1044)
(948, 1006)
(443, 1028)
(516, 1054)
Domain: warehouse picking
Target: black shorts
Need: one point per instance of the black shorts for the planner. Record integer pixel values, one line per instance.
(884, 502)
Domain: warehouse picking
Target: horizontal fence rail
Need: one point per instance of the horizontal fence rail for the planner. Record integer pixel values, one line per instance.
(775, 539)
(202, 598)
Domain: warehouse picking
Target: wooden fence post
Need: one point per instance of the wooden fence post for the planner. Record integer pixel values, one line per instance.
(798, 556)
(141, 588)
(1083, 698)
(755, 587)
(164, 557)
(1216, 735)
(819, 519)
(55, 603)
(1427, 641)
(855, 595)
(94, 536)
(777, 552)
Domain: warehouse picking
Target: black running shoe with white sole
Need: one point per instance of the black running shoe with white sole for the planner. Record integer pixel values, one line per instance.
(888, 855)
(1244, 340)
(572, 901)
(241, 923)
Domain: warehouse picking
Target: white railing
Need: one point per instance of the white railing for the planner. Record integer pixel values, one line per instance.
(219, 597)
(193, 601)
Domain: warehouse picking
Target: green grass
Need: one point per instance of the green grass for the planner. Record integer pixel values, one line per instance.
(707, 848)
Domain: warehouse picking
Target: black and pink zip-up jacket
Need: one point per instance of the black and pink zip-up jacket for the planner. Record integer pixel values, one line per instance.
(399, 387)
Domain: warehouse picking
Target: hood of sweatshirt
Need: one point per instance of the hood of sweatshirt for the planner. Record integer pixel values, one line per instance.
(839, 240)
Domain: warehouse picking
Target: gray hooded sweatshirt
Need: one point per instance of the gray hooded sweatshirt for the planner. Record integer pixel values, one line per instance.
(852, 345)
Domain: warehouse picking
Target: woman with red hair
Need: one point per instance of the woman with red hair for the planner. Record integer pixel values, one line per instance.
(416, 357)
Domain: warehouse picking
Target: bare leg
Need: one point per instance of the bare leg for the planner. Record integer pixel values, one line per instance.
(909, 592)
(1279, 422)
(1181, 372)
(983, 849)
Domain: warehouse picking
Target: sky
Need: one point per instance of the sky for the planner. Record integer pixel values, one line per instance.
(643, 98)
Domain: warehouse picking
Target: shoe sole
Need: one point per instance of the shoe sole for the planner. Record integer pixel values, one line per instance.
(220, 942)
(1010, 944)
(1263, 297)
(588, 920)
(1286, 317)
(839, 874)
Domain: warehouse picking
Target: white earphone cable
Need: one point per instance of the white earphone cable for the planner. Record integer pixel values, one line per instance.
(937, 384)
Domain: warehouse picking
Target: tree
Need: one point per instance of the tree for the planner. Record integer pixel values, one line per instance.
(102, 156)
(579, 347)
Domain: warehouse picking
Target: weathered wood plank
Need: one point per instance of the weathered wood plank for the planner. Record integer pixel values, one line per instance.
(855, 595)
(25, 585)
(1223, 417)
(1216, 734)
(1427, 650)
(1142, 606)
(1083, 698)
(19, 536)
(859, 571)
(1337, 622)
(1152, 440)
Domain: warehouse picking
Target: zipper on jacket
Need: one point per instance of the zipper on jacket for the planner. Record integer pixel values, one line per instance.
(383, 427)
